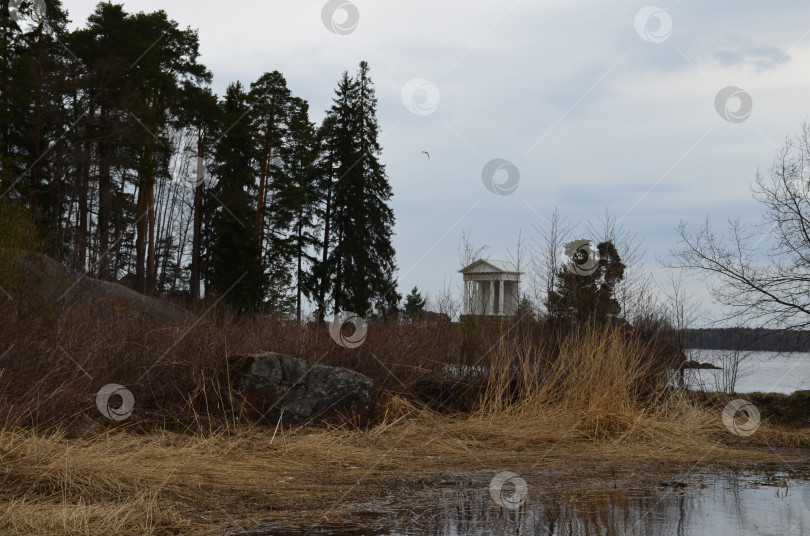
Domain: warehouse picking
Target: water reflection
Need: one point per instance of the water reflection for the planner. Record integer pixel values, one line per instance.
(708, 505)
(731, 504)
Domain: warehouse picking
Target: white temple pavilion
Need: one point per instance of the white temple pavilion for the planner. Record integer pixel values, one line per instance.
(491, 288)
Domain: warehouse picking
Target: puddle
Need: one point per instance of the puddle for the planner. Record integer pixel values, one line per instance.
(703, 505)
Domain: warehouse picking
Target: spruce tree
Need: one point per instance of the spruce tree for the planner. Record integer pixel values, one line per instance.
(234, 269)
(579, 298)
(326, 169)
(414, 305)
(302, 195)
(34, 113)
(361, 263)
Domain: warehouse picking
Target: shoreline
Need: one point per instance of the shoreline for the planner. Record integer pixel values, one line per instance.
(173, 483)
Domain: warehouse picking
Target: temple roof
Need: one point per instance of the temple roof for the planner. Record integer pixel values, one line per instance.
(489, 266)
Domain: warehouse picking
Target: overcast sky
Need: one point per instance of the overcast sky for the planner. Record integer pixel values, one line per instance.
(598, 105)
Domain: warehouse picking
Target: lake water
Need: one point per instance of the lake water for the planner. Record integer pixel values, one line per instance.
(758, 371)
(699, 505)
(769, 372)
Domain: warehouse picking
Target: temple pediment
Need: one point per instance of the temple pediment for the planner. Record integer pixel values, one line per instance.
(491, 288)
(489, 266)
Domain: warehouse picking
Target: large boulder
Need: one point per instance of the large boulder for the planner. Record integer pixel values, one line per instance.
(278, 387)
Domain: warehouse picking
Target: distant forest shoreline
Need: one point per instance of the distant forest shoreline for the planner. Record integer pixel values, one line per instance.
(749, 339)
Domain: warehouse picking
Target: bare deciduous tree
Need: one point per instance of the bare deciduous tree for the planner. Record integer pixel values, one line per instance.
(634, 292)
(467, 254)
(445, 303)
(762, 283)
(681, 310)
(546, 259)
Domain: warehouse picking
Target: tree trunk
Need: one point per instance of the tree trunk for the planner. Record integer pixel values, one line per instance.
(35, 193)
(298, 276)
(324, 271)
(262, 186)
(150, 255)
(194, 284)
(104, 201)
(140, 237)
(84, 183)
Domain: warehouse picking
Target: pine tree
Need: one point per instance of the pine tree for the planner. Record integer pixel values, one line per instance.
(270, 110)
(234, 269)
(414, 304)
(169, 57)
(108, 135)
(360, 258)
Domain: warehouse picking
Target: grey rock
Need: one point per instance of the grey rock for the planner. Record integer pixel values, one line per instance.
(286, 389)
(38, 282)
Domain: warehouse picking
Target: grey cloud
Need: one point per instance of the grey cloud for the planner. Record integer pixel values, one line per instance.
(744, 52)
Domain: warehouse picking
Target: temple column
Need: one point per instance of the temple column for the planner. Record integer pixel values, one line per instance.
(501, 297)
(491, 305)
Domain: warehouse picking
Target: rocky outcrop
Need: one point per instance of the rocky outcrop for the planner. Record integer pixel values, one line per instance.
(281, 388)
(36, 281)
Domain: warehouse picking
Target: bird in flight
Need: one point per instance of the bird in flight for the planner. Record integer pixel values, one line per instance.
(426, 153)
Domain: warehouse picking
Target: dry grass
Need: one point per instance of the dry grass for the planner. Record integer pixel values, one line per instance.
(592, 407)
(175, 483)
